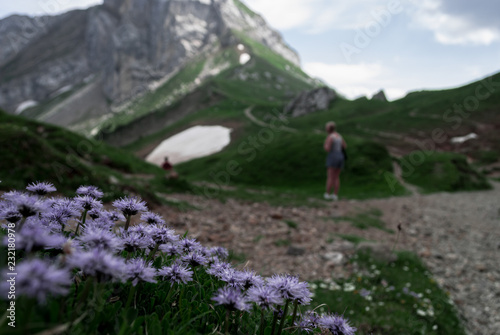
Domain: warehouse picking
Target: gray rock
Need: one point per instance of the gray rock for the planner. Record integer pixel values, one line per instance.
(380, 96)
(295, 251)
(310, 102)
(333, 257)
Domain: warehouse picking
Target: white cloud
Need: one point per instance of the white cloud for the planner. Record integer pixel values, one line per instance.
(453, 28)
(44, 7)
(317, 16)
(355, 80)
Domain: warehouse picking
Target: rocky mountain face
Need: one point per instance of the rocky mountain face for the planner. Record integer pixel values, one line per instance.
(116, 50)
(310, 101)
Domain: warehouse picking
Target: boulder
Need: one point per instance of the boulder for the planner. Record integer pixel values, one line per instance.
(311, 101)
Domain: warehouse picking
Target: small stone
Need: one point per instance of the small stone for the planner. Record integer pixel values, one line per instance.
(425, 253)
(333, 257)
(295, 251)
(276, 216)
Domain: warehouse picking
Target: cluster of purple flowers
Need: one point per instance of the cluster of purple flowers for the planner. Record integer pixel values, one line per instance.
(85, 240)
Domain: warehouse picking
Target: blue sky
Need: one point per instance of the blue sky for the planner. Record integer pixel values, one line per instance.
(361, 46)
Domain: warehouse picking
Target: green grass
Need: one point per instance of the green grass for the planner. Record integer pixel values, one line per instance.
(352, 238)
(370, 218)
(436, 172)
(292, 224)
(292, 165)
(403, 298)
(41, 152)
(283, 243)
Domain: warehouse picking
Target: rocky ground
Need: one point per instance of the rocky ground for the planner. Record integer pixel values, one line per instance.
(456, 235)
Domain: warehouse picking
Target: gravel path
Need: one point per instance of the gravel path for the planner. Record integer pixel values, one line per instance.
(456, 235)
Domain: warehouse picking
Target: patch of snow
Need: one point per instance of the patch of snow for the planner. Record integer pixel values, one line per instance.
(244, 58)
(462, 139)
(206, 2)
(25, 105)
(195, 142)
(241, 47)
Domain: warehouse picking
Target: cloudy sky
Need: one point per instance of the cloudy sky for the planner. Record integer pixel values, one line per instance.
(361, 46)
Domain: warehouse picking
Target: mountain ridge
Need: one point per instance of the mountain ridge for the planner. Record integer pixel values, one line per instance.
(123, 47)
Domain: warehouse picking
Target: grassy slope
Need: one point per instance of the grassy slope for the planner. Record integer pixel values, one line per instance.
(34, 151)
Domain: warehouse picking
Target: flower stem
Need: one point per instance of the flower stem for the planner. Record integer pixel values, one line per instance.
(227, 322)
(262, 322)
(283, 318)
(82, 221)
(131, 295)
(295, 307)
(275, 319)
(21, 223)
(152, 253)
(128, 222)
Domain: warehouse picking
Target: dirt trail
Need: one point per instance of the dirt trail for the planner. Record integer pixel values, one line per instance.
(456, 235)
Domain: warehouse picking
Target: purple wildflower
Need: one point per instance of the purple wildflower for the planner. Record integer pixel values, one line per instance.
(230, 277)
(176, 273)
(217, 269)
(162, 235)
(140, 270)
(94, 213)
(291, 289)
(32, 238)
(264, 296)
(27, 205)
(101, 222)
(364, 292)
(248, 279)
(219, 252)
(87, 202)
(91, 191)
(113, 216)
(152, 218)
(38, 279)
(189, 245)
(130, 206)
(99, 263)
(41, 188)
(309, 322)
(194, 259)
(142, 229)
(336, 324)
(58, 216)
(10, 213)
(94, 237)
(170, 249)
(231, 298)
(133, 241)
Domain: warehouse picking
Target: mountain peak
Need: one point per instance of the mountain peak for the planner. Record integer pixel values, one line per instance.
(123, 46)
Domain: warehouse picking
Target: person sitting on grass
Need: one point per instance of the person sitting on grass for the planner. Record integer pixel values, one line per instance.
(334, 143)
(167, 166)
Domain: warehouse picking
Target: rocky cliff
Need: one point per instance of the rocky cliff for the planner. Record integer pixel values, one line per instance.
(122, 47)
(310, 101)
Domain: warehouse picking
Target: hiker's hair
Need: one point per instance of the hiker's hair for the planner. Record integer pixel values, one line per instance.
(330, 126)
